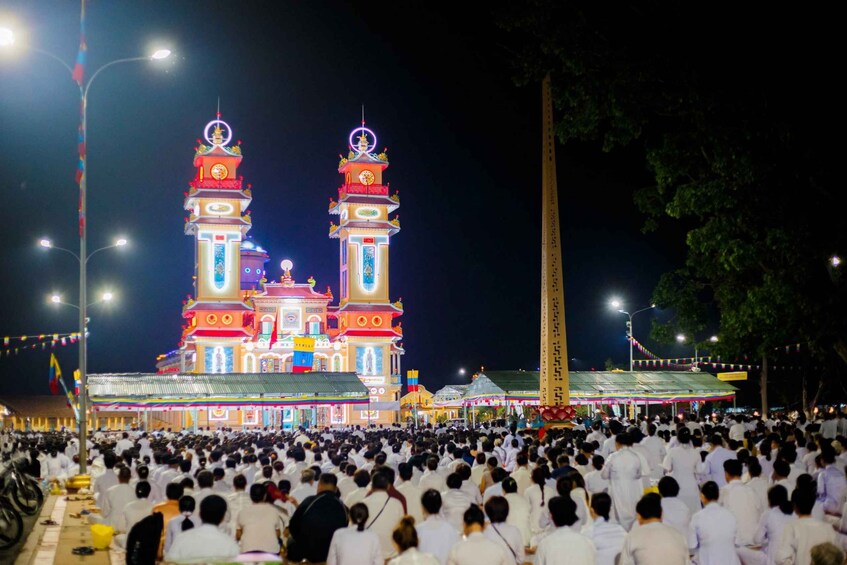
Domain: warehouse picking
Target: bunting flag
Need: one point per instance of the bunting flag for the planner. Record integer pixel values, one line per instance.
(79, 76)
(55, 374)
(304, 355)
(79, 68)
(9, 347)
(412, 380)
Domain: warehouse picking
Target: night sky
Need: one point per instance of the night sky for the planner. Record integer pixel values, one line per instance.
(464, 151)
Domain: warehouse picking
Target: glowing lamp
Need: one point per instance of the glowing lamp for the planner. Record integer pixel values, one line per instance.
(55, 299)
(835, 260)
(107, 296)
(46, 243)
(120, 242)
(161, 54)
(7, 37)
(713, 339)
(615, 303)
(680, 338)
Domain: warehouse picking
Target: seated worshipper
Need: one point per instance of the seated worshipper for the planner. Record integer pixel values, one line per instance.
(498, 531)
(354, 545)
(594, 481)
(184, 522)
(652, 542)
(363, 480)
(675, 512)
(608, 537)
(475, 548)
(56, 467)
(406, 541)
(169, 510)
(139, 509)
(712, 531)
(742, 501)
(455, 501)
(315, 521)
(412, 493)
(435, 535)
(205, 542)
(307, 486)
(800, 535)
(771, 524)
(258, 527)
(564, 546)
(385, 512)
(519, 510)
(142, 541)
(220, 485)
(115, 501)
(827, 554)
(572, 485)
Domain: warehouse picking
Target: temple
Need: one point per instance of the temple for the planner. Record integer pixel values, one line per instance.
(239, 321)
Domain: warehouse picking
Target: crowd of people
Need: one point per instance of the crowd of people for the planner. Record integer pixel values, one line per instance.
(737, 489)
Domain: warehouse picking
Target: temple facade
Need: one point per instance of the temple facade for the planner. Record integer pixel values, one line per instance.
(239, 321)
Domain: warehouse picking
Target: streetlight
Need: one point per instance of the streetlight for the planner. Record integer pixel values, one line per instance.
(618, 305)
(462, 371)
(7, 38)
(835, 260)
(105, 297)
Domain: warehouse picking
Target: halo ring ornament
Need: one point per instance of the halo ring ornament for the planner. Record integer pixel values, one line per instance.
(286, 265)
(224, 125)
(211, 319)
(354, 139)
(362, 321)
(376, 320)
(226, 319)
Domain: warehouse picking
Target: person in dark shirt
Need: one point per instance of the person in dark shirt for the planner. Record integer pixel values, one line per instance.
(315, 521)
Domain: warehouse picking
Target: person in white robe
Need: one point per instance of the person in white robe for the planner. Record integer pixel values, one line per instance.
(742, 501)
(564, 546)
(802, 534)
(435, 535)
(652, 542)
(675, 512)
(623, 471)
(500, 532)
(712, 531)
(681, 463)
(769, 531)
(519, 510)
(608, 537)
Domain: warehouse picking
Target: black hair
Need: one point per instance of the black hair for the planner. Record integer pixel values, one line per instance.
(650, 506)
(142, 489)
(510, 485)
(454, 481)
(431, 501)
(474, 515)
(710, 490)
(732, 467)
(497, 509)
(213, 510)
(803, 500)
(359, 516)
(601, 503)
(562, 511)
(258, 492)
(778, 497)
(173, 491)
(187, 504)
(668, 487)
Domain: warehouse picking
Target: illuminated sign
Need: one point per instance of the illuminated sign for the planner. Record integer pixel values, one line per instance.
(733, 376)
(219, 208)
(361, 144)
(367, 213)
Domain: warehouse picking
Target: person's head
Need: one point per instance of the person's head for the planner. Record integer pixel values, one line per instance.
(142, 489)
(781, 469)
(454, 481)
(709, 492)
(186, 508)
(185, 465)
(124, 474)
(597, 462)
(362, 478)
(510, 485)
(213, 509)
(683, 436)
(143, 472)
(649, 508)
(284, 486)
(405, 535)
(732, 469)
(668, 487)
(778, 498)
(405, 471)
(431, 502)
(601, 505)
(562, 511)
(187, 484)
(328, 482)
(803, 500)
(173, 491)
(432, 463)
(307, 476)
(754, 467)
(258, 492)
(474, 519)
(239, 482)
(827, 554)
(205, 479)
(497, 509)
(379, 481)
(359, 516)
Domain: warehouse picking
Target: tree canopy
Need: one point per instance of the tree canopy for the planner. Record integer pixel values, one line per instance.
(735, 112)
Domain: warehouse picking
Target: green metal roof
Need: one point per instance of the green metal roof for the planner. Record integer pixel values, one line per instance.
(603, 382)
(271, 384)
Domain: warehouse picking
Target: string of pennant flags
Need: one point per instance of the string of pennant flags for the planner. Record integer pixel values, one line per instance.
(685, 363)
(12, 345)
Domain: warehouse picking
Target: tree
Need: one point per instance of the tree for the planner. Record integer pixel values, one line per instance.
(733, 146)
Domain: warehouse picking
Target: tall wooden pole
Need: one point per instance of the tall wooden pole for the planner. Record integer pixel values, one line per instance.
(555, 385)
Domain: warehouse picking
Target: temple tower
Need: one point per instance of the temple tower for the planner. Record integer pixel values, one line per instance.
(554, 382)
(368, 338)
(218, 220)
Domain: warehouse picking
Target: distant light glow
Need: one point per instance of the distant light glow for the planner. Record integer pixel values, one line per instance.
(7, 37)
(161, 54)
(835, 260)
(107, 296)
(462, 371)
(121, 242)
(55, 299)
(680, 338)
(615, 303)
(46, 243)
(370, 147)
(713, 339)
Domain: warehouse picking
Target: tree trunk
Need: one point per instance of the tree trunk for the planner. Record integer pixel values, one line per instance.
(804, 397)
(763, 383)
(841, 349)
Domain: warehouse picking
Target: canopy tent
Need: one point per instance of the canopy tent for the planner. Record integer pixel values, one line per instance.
(141, 391)
(608, 387)
(450, 396)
